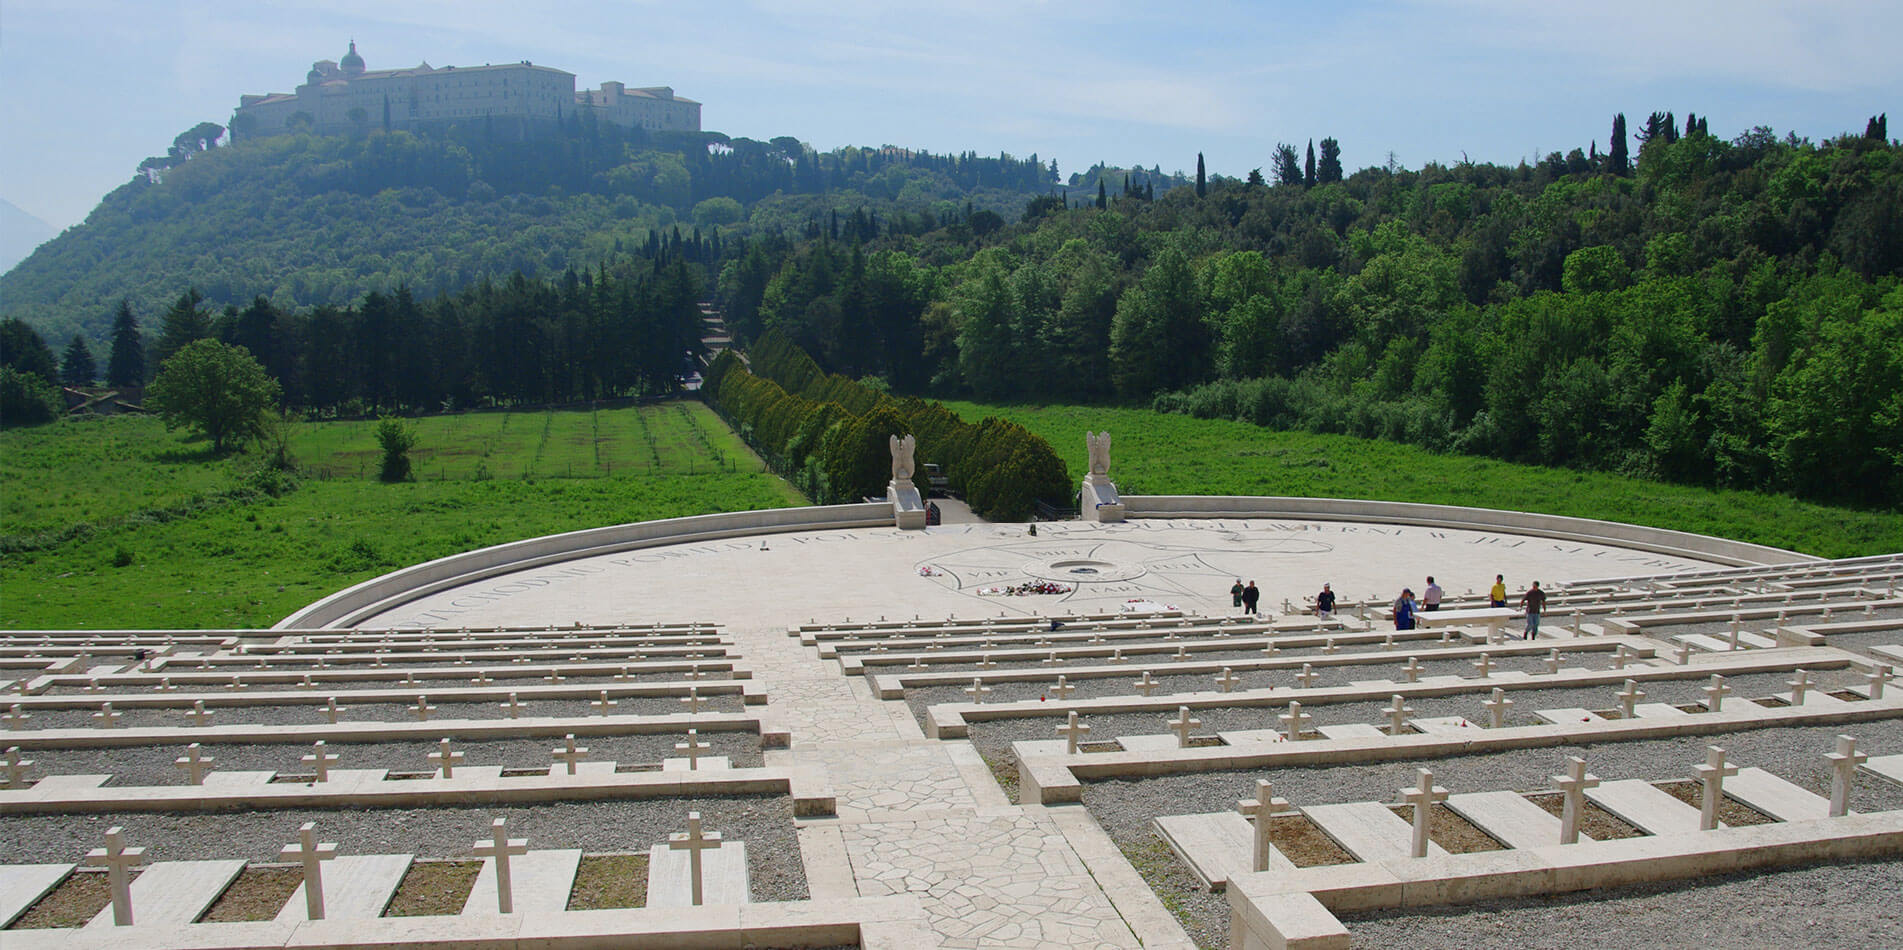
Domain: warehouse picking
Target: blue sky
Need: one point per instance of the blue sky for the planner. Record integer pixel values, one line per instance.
(89, 87)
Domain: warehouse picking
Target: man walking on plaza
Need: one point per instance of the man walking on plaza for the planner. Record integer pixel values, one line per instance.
(1534, 601)
(1430, 598)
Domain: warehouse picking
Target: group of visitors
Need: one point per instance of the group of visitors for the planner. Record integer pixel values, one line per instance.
(1245, 598)
(1407, 608)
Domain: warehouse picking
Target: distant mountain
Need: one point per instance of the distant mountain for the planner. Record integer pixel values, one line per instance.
(309, 220)
(20, 233)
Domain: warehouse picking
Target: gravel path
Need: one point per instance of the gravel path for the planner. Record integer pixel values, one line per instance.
(153, 765)
(399, 711)
(1125, 807)
(765, 823)
(327, 683)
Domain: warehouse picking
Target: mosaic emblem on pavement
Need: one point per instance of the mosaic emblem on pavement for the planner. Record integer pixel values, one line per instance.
(1099, 569)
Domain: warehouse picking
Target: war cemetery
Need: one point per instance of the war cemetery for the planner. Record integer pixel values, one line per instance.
(837, 726)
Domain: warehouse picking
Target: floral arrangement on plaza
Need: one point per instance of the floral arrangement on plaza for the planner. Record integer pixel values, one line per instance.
(1025, 589)
(929, 571)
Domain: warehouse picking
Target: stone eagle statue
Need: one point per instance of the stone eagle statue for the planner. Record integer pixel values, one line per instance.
(902, 466)
(1099, 445)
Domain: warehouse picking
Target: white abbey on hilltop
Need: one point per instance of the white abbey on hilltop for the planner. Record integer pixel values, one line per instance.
(344, 96)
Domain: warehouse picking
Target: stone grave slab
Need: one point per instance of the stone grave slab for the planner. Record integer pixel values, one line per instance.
(540, 882)
(1351, 730)
(723, 876)
(1641, 804)
(1783, 800)
(1216, 846)
(473, 774)
(706, 763)
(174, 893)
(1888, 651)
(1442, 725)
(1659, 711)
(1149, 743)
(1246, 736)
(23, 884)
(582, 769)
(1709, 644)
(356, 887)
(1888, 767)
(1509, 817)
(1567, 715)
(231, 780)
(1369, 831)
(1815, 696)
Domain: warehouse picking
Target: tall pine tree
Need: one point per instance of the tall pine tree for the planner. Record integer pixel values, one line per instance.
(1308, 167)
(1329, 168)
(1202, 187)
(126, 365)
(76, 367)
(1618, 159)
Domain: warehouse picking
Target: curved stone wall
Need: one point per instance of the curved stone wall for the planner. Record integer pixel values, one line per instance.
(1659, 540)
(378, 594)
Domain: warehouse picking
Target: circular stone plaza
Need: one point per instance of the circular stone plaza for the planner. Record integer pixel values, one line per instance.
(813, 728)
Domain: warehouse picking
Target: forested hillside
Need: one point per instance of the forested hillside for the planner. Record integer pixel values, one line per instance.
(1680, 306)
(312, 220)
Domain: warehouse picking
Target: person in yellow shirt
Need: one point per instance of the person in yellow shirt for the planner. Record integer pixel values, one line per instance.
(1498, 596)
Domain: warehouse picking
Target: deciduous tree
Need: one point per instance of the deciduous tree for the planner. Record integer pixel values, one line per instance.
(216, 389)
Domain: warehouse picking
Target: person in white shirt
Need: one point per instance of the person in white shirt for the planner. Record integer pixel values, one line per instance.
(1430, 598)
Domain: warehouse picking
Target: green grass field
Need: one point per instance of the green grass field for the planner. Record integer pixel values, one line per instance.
(1161, 454)
(117, 523)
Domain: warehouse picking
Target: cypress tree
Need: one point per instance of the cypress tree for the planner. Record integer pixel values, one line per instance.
(126, 365)
(1103, 200)
(1202, 187)
(1878, 128)
(1618, 159)
(1308, 167)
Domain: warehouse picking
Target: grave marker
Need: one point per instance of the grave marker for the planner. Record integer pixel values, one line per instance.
(1573, 785)
(693, 747)
(502, 847)
(1073, 731)
(1062, 689)
(1183, 725)
(1423, 797)
(1259, 812)
(1716, 692)
(1497, 707)
(199, 715)
(194, 763)
(1712, 776)
(1146, 685)
(332, 710)
(570, 752)
(1843, 769)
(1628, 698)
(17, 767)
(694, 842)
(1484, 665)
(1227, 681)
(312, 855)
(106, 716)
(117, 859)
(1397, 711)
(17, 720)
(422, 709)
(1307, 676)
(513, 707)
(977, 691)
(1799, 686)
(1876, 678)
(321, 760)
(1295, 721)
(603, 705)
(444, 758)
(1413, 669)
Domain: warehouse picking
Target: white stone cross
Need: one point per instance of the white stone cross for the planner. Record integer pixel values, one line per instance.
(1497, 707)
(1683, 654)
(1268, 649)
(106, 716)
(1843, 768)
(1577, 630)
(1329, 646)
(1628, 698)
(1398, 710)
(1259, 811)
(1146, 684)
(92, 685)
(1182, 653)
(1183, 725)
(1737, 628)
(482, 678)
(1552, 661)
(1423, 796)
(422, 709)
(603, 704)
(307, 682)
(1484, 665)
(445, 759)
(625, 674)
(17, 767)
(1712, 776)
(1053, 659)
(1117, 656)
(320, 760)
(1387, 642)
(194, 763)
(312, 855)
(554, 676)
(17, 720)
(1307, 676)
(693, 747)
(985, 662)
(1062, 688)
(1413, 669)
(1716, 692)
(692, 700)
(694, 842)
(1619, 657)
(1227, 681)
(200, 716)
(1876, 678)
(165, 684)
(1573, 785)
(977, 690)
(334, 711)
(1295, 721)
(1799, 686)
(117, 859)
(570, 752)
(513, 707)
(1073, 731)
(502, 848)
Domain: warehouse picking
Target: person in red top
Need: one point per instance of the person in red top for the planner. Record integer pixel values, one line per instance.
(1534, 602)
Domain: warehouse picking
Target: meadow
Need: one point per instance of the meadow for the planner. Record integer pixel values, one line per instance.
(1164, 454)
(118, 523)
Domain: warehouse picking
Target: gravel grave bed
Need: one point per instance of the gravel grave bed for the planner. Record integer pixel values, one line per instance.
(1730, 810)
(133, 717)
(75, 902)
(259, 892)
(433, 889)
(329, 683)
(764, 822)
(153, 765)
(1826, 907)
(1594, 822)
(1454, 834)
(993, 737)
(1126, 807)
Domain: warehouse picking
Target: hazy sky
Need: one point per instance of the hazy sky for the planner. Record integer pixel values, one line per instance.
(89, 87)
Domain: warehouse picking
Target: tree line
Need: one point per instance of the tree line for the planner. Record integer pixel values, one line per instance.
(1680, 306)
